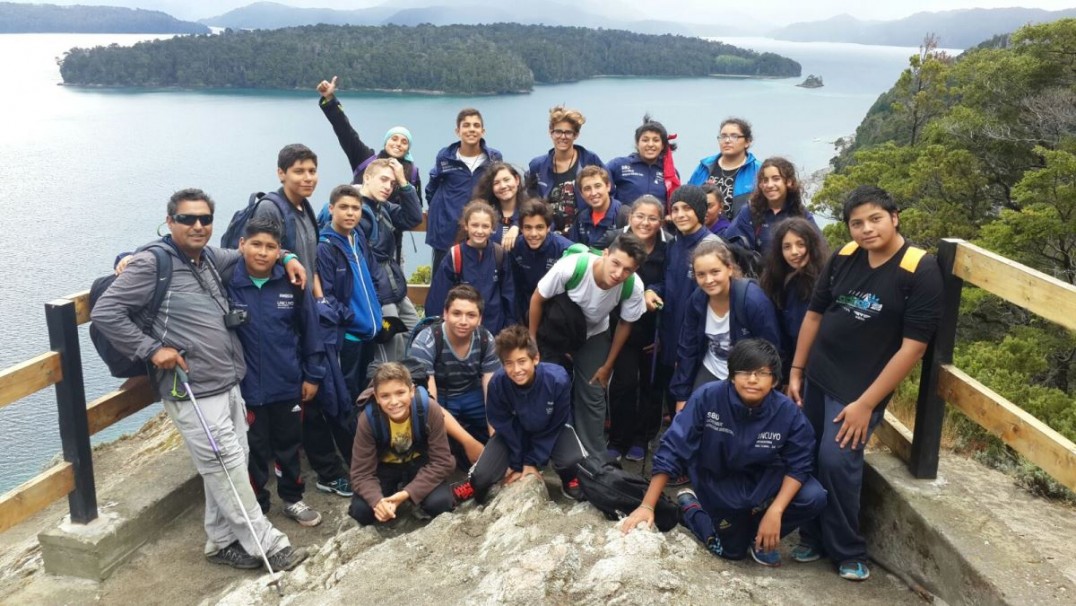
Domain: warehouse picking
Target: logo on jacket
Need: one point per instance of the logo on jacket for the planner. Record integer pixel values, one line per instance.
(549, 407)
(713, 422)
(768, 439)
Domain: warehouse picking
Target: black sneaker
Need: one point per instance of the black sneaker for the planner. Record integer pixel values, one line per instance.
(287, 558)
(235, 556)
(573, 490)
(340, 486)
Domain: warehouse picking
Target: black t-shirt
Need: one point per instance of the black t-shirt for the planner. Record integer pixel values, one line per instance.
(725, 180)
(562, 199)
(866, 313)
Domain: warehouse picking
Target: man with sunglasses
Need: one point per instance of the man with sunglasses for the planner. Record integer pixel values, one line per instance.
(194, 330)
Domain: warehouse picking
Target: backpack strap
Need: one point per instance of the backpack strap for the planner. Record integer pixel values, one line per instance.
(420, 412)
(912, 256)
(582, 260)
(628, 288)
(498, 256)
(457, 263)
(377, 425)
(848, 249)
(164, 279)
(738, 300)
(438, 329)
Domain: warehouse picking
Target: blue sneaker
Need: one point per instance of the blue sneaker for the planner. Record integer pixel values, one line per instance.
(854, 570)
(770, 558)
(803, 553)
(713, 545)
(340, 486)
(613, 454)
(635, 453)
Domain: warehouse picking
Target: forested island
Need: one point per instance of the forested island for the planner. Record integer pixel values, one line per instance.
(983, 147)
(50, 18)
(464, 59)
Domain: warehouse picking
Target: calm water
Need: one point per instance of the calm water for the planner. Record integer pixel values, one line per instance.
(86, 173)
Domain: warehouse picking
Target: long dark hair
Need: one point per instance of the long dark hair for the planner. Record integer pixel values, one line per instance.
(777, 273)
(484, 189)
(794, 199)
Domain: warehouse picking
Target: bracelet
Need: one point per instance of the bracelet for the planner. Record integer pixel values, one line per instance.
(647, 507)
(407, 187)
(288, 257)
(796, 367)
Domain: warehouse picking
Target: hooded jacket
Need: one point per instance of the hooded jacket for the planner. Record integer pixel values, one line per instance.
(449, 190)
(493, 283)
(745, 179)
(679, 284)
(379, 224)
(539, 178)
(633, 177)
(528, 266)
(586, 232)
(691, 347)
(281, 338)
(744, 232)
(348, 285)
(529, 419)
(735, 454)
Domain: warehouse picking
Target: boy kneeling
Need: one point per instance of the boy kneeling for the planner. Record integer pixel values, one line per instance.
(748, 450)
(529, 406)
(400, 452)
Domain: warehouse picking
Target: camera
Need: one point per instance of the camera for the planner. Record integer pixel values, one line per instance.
(235, 318)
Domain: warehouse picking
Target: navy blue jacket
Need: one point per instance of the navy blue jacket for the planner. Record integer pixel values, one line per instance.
(337, 276)
(758, 238)
(281, 338)
(731, 452)
(583, 228)
(761, 323)
(539, 177)
(529, 419)
(449, 190)
(632, 177)
(379, 224)
(793, 310)
(679, 284)
(528, 266)
(480, 270)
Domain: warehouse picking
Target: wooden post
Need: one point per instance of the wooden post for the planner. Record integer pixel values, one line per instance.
(930, 407)
(60, 316)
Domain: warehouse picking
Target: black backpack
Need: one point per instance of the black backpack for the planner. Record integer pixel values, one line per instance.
(231, 236)
(118, 364)
(617, 493)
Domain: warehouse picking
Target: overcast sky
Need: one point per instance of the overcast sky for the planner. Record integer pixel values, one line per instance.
(774, 12)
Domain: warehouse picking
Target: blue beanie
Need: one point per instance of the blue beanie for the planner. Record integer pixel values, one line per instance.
(399, 130)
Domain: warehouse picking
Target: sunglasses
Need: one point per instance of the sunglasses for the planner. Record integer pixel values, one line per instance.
(186, 219)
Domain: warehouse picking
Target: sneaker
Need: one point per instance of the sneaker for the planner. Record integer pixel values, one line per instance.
(573, 490)
(635, 453)
(713, 545)
(462, 491)
(805, 553)
(613, 454)
(287, 558)
(854, 570)
(302, 514)
(770, 558)
(235, 556)
(678, 481)
(340, 486)
(687, 500)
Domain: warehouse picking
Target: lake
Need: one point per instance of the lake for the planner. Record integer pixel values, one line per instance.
(87, 172)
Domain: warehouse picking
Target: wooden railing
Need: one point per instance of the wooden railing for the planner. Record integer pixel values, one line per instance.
(62, 368)
(941, 382)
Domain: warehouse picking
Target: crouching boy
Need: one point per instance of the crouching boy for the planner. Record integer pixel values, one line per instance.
(401, 451)
(530, 407)
(748, 450)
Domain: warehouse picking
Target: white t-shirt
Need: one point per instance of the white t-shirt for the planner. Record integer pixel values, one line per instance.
(595, 302)
(718, 344)
(472, 162)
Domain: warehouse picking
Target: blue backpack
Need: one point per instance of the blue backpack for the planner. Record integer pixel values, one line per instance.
(379, 423)
(231, 236)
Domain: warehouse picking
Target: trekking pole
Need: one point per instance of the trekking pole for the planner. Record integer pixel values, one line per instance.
(182, 375)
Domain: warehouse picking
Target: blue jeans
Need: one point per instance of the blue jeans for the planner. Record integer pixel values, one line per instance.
(840, 470)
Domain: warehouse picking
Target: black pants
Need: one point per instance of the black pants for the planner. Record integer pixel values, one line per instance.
(325, 442)
(355, 358)
(275, 433)
(491, 466)
(393, 477)
(634, 399)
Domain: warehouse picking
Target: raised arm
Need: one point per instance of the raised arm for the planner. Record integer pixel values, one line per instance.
(357, 152)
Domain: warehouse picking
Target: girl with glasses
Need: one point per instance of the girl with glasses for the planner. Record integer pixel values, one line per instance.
(732, 169)
(552, 176)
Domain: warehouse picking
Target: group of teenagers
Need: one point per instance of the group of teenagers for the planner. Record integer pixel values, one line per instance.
(573, 308)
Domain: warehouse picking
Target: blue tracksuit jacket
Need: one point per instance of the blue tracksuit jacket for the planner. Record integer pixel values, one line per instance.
(353, 302)
(480, 270)
(449, 190)
(732, 452)
(758, 238)
(761, 323)
(585, 231)
(632, 177)
(539, 178)
(528, 266)
(379, 224)
(281, 338)
(529, 419)
(679, 284)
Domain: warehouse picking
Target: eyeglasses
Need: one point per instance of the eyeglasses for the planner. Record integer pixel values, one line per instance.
(568, 134)
(730, 138)
(186, 219)
(748, 374)
(646, 218)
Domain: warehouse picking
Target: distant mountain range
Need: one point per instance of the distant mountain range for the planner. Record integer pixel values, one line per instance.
(273, 15)
(49, 18)
(955, 29)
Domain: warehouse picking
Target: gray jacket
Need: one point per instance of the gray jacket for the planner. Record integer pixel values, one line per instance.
(190, 319)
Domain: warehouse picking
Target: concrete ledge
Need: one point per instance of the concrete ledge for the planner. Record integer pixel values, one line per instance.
(154, 496)
(952, 536)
